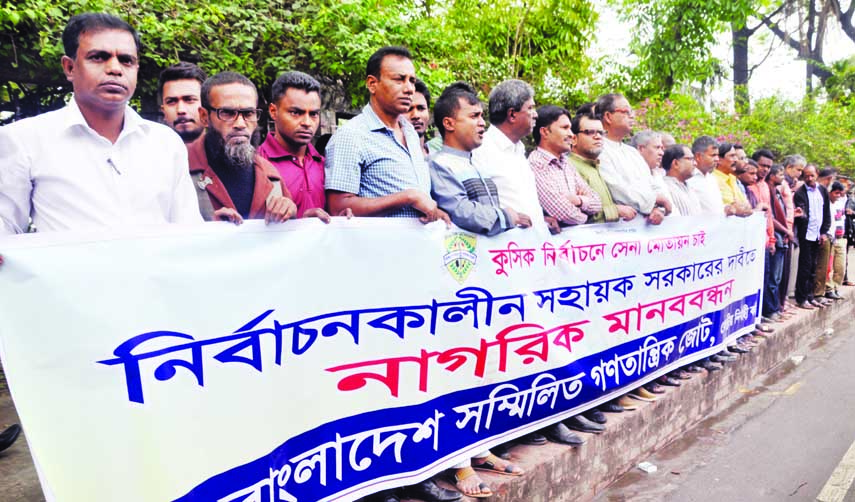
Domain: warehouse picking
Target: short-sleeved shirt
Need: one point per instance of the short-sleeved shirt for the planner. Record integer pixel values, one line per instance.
(305, 182)
(364, 158)
(729, 187)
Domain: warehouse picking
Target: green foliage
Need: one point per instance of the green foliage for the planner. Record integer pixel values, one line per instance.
(673, 40)
(840, 86)
(823, 132)
(450, 39)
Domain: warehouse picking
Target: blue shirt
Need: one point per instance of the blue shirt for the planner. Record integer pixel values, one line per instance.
(364, 158)
(815, 210)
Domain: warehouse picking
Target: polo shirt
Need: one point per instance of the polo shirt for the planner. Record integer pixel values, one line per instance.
(364, 158)
(305, 182)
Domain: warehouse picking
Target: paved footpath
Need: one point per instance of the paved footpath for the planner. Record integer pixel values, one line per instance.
(780, 441)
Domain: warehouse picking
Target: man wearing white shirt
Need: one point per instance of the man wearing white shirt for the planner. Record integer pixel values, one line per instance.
(623, 168)
(702, 184)
(96, 162)
(502, 153)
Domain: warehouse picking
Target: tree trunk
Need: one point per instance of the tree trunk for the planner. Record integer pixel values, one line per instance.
(741, 99)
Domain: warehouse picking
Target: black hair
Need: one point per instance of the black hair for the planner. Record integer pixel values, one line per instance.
(759, 154)
(606, 103)
(92, 21)
(828, 171)
(725, 147)
(775, 169)
(376, 59)
(422, 89)
(671, 154)
(702, 144)
(586, 111)
(179, 71)
(837, 186)
(448, 103)
(546, 116)
(223, 78)
(293, 80)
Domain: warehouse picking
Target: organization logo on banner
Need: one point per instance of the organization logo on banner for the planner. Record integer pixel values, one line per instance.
(460, 256)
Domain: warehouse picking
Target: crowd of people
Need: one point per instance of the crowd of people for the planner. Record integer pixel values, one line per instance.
(97, 163)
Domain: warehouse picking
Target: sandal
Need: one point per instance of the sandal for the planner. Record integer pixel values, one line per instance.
(494, 464)
(466, 473)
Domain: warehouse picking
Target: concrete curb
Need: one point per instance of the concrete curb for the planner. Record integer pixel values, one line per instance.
(557, 473)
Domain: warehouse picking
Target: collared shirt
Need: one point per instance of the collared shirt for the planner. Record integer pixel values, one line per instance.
(556, 181)
(305, 182)
(628, 176)
(728, 185)
(505, 162)
(705, 188)
(470, 198)
(589, 170)
(366, 159)
(684, 201)
(815, 203)
(760, 189)
(58, 171)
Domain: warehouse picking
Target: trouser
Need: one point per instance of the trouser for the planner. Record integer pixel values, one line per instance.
(794, 269)
(770, 287)
(821, 277)
(838, 264)
(784, 282)
(807, 270)
(468, 462)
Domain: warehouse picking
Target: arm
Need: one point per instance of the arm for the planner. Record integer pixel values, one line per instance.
(450, 195)
(16, 185)
(591, 203)
(555, 196)
(628, 185)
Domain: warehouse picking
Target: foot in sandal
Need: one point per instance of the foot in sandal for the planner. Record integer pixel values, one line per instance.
(495, 464)
(469, 484)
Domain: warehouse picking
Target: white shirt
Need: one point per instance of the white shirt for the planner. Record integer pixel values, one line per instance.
(58, 171)
(505, 163)
(705, 188)
(838, 217)
(628, 176)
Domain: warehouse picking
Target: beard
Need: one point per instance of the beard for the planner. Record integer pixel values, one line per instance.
(234, 154)
(190, 135)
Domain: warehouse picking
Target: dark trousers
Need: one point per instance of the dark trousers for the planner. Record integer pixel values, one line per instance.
(808, 251)
(772, 281)
(785, 273)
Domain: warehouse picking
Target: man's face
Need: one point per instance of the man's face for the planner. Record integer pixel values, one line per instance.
(621, 119)
(395, 88)
(749, 177)
(468, 125)
(835, 195)
(727, 163)
(741, 155)
(558, 136)
(235, 135)
(765, 164)
(777, 178)
(180, 108)
(708, 159)
(103, 73)
(297, 115)
(588, 142)
(809, 176)
(653, 152)
(685, 165)
(795, 170)
(418, 114)
(524, 118)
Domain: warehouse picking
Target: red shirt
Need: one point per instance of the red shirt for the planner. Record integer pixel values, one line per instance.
(306, 182)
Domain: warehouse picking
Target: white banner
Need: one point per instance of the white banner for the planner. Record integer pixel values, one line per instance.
(306, 362)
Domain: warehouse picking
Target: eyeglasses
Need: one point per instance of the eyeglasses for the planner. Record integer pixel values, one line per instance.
(230, 114)
(627, 111)
(593, 132)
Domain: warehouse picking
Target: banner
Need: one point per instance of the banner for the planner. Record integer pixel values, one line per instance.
(312, 362)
